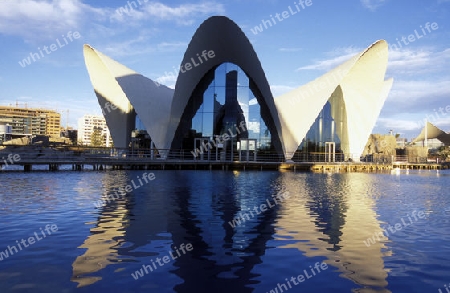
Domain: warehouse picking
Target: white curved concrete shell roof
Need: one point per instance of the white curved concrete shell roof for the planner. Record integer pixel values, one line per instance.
(358, 84)
(126, 90)
(430, 131)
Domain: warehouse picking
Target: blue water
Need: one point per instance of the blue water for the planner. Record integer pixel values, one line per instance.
(316, 229)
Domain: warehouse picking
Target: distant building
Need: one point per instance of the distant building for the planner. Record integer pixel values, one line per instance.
(87, 125)
(433, 137)
(71, 134)
(5, 131)
(401, 142)
(31, 121)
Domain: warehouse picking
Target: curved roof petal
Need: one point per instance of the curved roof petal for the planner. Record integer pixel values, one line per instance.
(124, 87)
(363, 90)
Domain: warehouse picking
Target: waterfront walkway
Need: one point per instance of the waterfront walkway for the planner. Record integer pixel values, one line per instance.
(102, 163)
(86, 158)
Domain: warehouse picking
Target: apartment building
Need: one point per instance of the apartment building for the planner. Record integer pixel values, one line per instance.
(31, 121)
(87, 125)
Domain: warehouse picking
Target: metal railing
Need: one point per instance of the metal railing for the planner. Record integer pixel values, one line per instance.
(79, 153)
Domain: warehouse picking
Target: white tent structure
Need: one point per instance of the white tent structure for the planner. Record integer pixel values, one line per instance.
(430, 131)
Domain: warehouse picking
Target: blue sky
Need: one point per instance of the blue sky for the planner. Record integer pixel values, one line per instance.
(152, 38)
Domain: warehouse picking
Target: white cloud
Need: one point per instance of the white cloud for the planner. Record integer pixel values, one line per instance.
(372, 4)
(278, 90)
(253, 102)
(410, 61)
(398, 124)
(138, 46)
(337, 57)
(407, 61)
(419, 90)
(254, 126)
(174, 46)
(421, 79)
(47, 19)
(443, 123)
(183, 14)
(413, 127)
(289, 49)
(168, 79)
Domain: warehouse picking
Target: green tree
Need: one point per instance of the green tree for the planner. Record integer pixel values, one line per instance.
(96, 137)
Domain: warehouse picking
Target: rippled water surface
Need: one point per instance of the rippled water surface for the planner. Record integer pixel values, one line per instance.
(297, 232)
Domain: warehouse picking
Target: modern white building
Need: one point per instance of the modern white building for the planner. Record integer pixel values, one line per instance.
(86, 127)
(433, 136)
(222, 97)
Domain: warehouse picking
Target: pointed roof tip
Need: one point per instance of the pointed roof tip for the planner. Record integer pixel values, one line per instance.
(88, 47)
(379, 42)
(379, 45)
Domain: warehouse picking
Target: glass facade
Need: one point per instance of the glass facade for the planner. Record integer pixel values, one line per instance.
(323, 130)
(139, 136)
(229, 107)
(138, 124)
(329, 126)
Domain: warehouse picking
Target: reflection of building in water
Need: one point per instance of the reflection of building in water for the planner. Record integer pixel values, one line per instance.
(106, 234)
(118, 236)
(223, 257)
(331, 220)
(335, 224)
